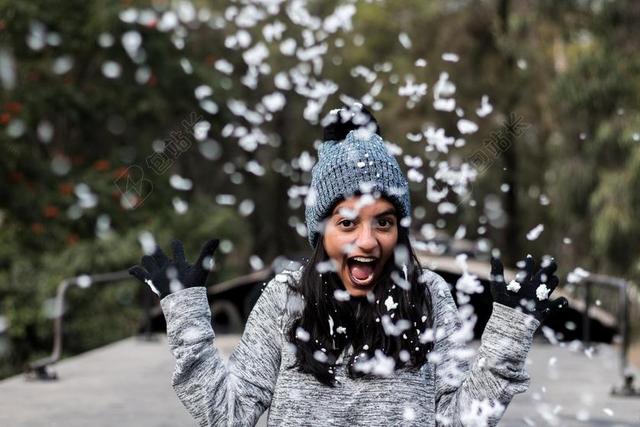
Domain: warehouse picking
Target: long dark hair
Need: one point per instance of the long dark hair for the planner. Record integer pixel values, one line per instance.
(365, 321)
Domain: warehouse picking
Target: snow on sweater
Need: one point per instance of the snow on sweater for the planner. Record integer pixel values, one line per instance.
(457, 387)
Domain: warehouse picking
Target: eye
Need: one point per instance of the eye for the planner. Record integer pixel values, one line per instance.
(346, 223)
(385, 222)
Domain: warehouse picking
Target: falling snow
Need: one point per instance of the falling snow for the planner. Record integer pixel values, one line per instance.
(535, 232)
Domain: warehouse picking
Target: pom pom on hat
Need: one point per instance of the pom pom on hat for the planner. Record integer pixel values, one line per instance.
(341, 121)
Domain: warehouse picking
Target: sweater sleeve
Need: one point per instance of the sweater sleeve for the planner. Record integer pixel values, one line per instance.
(472, 387)
(215, 393)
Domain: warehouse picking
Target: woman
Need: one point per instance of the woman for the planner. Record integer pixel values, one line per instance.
(360, 335)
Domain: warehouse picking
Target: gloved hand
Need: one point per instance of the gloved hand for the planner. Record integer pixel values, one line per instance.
(164, 275)
(528, 291)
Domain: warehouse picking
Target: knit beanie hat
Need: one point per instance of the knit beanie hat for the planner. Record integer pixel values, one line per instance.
(352, 160)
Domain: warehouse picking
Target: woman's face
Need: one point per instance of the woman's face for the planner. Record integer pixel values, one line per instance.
(360, 236)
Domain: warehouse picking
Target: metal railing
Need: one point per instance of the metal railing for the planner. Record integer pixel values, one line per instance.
(41, 369)
(621, 304)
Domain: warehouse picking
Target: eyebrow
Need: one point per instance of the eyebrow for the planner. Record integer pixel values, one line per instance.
(387, 212)
(390, 211)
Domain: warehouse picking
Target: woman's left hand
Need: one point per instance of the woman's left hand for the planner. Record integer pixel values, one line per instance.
(530, 290)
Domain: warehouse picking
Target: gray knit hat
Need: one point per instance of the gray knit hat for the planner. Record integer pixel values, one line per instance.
(356, 164)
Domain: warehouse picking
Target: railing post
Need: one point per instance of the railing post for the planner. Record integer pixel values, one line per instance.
(586, 326)
(146, 305)
(625, 328)
(627, 388)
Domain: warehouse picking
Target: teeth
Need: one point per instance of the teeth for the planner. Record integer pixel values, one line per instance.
(363, 259)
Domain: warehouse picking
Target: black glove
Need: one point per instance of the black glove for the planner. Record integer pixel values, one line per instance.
(526, 298)
(164, 275)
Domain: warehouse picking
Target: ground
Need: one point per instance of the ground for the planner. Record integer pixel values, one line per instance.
(128, 384)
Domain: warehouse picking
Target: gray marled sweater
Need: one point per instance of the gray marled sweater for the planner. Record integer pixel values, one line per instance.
(457, 387)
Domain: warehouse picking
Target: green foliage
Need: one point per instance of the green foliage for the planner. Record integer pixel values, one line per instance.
(616, 228)
(108, 311)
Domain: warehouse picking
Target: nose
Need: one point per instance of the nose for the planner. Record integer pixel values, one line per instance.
(366, 239)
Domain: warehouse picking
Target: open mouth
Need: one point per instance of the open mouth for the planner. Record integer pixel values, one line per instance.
(362, 269)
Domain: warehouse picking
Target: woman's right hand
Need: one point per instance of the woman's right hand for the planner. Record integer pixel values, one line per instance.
(165, 276)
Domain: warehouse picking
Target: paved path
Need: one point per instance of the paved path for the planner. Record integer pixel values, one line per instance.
(571, 388)
(128, 384)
